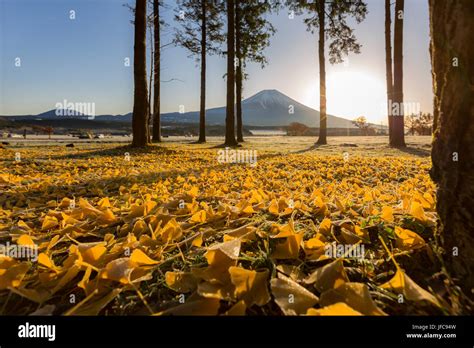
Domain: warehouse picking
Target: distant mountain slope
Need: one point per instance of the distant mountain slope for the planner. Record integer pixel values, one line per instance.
(266, 108)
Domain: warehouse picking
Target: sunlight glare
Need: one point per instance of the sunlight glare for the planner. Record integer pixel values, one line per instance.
(352, 94)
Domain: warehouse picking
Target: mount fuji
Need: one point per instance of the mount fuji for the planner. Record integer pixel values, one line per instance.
(266, 108)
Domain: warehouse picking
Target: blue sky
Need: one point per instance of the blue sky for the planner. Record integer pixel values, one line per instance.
(82, 60)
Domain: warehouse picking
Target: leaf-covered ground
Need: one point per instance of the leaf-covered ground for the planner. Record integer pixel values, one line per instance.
(169, 230)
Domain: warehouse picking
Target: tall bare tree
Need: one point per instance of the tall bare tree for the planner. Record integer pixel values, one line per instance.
(140, 101)
(156, 73)
(398, 129)
(452, 27)
(329, 17)
(230, 100)
(388, 64)
(201, 34)
(322, 139)
(150, 84)
(239, 70)
(252, 36)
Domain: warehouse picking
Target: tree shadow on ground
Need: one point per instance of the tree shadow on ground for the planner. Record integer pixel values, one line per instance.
(314, 146)
(118, 151)
(416, 151)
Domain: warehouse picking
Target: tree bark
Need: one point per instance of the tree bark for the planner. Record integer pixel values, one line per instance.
(140, 101)
(388, 64)
(239, 73)
(322, 75)
(156, 77)
(202, 112)
(398, 133)
(150, 92)
(452, 35)
(230, 113)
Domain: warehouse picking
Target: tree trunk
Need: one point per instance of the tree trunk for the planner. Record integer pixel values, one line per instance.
(239, 73)
(452, 35)
(230, 113)
(322, 76)
(398, 133)
(156, 77)
(150, 84)
(140, 101)
(388, 64)
(202, 112)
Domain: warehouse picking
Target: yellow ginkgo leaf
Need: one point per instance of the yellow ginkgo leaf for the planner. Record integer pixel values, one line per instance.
(246, 233)
(194, 191)
(49, 222)
(403, 284)
(355, 295)
(387, 214)
(339, 308)
(140, 258)
(83, 283)
(139, 228)
(35, 295)
(92, 253)
(122, 270)
(314, 243)
(408, 240)
(294, 272)
(289, 249)
(65, 203)
(250, 286)
(199, 217)
(237, 309)
(220, 258)
(107, 217)
(12, 272)
(325, 227)
(94, 305)
(181, 282)
(136, 210)
(273, 207)
(44, 260)
(23, 225)
(104, 203)
(25, 240)
(289, 242)
(229, 249)
(328, 277)
(217, 290)
(203, 306)
(197, 242)
(171, 231)
(292, 298)
(417, 211)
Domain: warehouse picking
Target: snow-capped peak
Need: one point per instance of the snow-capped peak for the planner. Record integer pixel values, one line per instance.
(269, 98)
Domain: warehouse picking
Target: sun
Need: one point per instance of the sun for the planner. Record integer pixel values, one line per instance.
(351, 94)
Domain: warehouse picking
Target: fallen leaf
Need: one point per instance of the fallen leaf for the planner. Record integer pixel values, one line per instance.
(292, 298)
(403, 284)
(328, 277)
(355, 295)
(339, 308)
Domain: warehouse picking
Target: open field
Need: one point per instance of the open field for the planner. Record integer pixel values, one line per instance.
(173, 230)
(418, 145)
